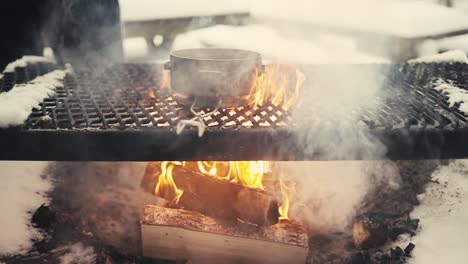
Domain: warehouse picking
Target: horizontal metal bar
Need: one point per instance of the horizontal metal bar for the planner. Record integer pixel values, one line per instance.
(255, 144)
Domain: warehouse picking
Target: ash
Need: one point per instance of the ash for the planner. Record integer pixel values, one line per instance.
(390, 205)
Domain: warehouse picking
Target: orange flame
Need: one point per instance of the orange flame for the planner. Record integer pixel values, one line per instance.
(152, 94)
(208, 168)
(249, 173)
(284, 207)
(166, 187)
(280, 84)
(246, 173)
(165, 80)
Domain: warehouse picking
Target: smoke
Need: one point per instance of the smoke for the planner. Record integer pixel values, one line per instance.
(328, 193)
(85, 33)
(334, 101)
(105, 198)
(330, 128)
(335, 98)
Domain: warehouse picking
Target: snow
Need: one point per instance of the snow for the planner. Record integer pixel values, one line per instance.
(456, 42)
(134, 10)
(16, 104)
(393, 17)
(135, 48)
(26, 60)
(455, 94)
(449, 56)
(324, 48)
(78, 254)
(22, 192)
(444, 217)
(390, 17)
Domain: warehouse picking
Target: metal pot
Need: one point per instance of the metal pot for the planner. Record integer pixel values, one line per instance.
(210, 72)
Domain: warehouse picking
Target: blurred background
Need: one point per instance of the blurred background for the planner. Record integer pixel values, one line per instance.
(301, 31)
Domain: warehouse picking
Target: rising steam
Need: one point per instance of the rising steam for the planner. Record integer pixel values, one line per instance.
(328, 193)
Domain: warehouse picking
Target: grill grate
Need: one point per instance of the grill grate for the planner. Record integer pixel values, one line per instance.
(111, 116)
(120, 99)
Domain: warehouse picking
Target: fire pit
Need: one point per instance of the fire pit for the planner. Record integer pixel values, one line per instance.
(127, 113)
(233, 206)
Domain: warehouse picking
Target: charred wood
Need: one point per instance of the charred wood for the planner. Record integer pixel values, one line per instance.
(373, 230)
(216, 197)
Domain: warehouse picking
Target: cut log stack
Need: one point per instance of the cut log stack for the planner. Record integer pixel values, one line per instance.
(219, 222)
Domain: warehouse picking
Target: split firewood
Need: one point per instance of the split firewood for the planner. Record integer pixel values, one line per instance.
(216, 197)
(176, 234)
(373, 230)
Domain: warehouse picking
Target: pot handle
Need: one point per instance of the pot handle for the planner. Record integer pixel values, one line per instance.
(167, 65)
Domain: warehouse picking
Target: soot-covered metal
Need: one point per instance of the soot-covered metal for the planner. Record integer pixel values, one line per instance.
(122, 114)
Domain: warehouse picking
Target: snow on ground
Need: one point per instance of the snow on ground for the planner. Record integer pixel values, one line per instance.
(26, 60)
(455, 94)
(449, 56)
(444, 217)
(133, 10)
(325, 48)
(77, 254)
(23, 190)
(16, 104)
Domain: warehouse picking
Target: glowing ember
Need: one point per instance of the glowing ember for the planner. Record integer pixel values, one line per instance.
(360, 233)
(284, 207)
(280, 84)
(166, 186)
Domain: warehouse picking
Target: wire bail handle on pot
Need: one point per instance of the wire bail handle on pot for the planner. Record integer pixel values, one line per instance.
(197, 121)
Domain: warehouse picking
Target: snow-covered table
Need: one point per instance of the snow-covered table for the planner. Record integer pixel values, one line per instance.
(150, 18)
(394, 27)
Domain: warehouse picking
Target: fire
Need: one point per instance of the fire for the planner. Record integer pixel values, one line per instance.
(280, 84)
(165, 80)
(246, 173)
(166, 186)
(152, 94)
(360, 233)
(208, 168)
(284, 207)
(249, 173)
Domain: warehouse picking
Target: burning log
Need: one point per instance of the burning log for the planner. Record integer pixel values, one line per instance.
(178, 234)
(215, 197)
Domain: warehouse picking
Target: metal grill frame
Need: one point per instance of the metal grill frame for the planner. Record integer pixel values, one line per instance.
(257, 143)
